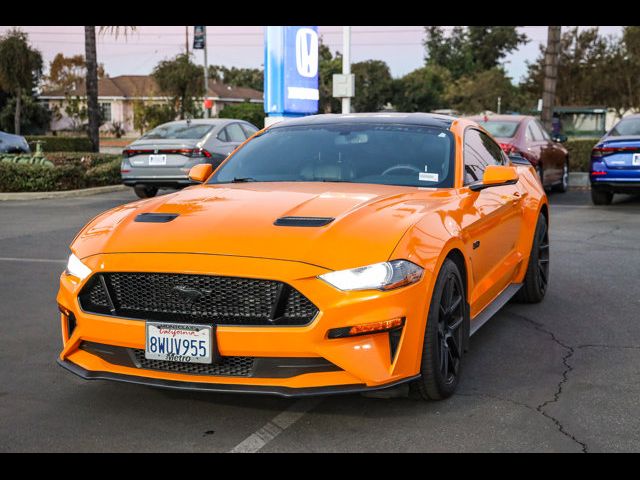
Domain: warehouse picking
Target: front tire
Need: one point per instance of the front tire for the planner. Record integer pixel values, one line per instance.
(145, 191)
(444, 336)
(536, 279)
(601, 197)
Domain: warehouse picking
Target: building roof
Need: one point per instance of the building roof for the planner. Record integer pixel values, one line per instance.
(136, 86)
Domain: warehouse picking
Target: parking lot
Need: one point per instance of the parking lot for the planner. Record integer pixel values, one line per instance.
(559, 376)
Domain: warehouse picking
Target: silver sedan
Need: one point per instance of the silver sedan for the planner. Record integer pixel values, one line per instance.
(163, 156)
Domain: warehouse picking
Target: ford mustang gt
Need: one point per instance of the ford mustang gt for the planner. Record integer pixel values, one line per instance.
(326, 254)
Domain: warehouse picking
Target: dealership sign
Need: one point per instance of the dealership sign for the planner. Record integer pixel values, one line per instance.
(291, 71)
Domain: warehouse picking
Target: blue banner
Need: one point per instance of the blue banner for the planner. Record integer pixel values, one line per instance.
(291, 71)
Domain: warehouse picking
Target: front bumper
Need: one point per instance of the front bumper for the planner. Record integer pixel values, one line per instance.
(364, 362)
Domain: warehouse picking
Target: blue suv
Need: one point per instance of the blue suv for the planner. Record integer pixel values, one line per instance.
(615, 162)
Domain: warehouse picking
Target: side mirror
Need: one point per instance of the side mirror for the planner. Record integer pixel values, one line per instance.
(199, 173)
(559, 138)
(496, 176)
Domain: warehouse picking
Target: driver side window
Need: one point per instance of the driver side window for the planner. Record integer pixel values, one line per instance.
(479, 152)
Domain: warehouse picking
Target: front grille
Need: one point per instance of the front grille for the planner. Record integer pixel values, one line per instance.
(228, 366)
(196, 299)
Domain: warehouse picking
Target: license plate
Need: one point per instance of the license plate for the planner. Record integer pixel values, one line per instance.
(157, 159)
(179, 343)
(636, 160)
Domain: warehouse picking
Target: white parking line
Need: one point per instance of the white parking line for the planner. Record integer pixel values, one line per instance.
(276, 426)
(35, 260)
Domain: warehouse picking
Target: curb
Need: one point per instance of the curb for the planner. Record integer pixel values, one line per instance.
(84, 192)
(579, 180)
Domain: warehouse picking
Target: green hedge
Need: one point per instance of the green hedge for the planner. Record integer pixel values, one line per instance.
(87, 159)
(580, 153)
(60, 144)
(69, 175)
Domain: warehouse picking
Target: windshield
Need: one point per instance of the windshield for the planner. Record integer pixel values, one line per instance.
(183, 131)
(385, 154)
(628, 126)
(504, 129)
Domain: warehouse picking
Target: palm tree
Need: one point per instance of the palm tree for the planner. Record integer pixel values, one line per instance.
(91, 58)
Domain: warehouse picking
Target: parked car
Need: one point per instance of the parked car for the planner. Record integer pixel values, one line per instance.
(330, 254)
(163, 156)
(10, 143)
(615, 162)
(524, 135)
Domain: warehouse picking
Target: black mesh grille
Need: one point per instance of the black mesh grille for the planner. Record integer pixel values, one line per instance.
(228, 367)
(198, 299)
(98, 296)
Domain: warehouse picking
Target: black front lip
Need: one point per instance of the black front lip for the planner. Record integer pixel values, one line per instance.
(287, 392)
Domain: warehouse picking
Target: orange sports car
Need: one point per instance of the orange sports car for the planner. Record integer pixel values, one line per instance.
(327, 254)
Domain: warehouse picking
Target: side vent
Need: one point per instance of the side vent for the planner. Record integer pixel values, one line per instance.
(156, 217)
(303, 221)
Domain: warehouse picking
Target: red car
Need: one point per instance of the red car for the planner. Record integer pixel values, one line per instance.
(525, 135)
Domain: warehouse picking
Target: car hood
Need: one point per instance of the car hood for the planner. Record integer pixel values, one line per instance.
(238, 220)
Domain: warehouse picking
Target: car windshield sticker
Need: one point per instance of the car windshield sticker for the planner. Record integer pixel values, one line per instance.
(442, 135)
(428, 177)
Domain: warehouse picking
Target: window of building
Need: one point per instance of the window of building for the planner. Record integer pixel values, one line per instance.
(105, 111)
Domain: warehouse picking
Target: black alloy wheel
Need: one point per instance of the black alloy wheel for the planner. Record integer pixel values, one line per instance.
(444, 336)
(536, 279)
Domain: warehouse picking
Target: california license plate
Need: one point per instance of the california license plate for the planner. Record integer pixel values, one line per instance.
(157, 160)
(179, 343)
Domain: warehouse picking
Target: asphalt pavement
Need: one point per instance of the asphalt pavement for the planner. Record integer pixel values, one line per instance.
(559, 376)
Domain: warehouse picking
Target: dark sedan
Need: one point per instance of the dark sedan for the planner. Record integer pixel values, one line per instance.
(525, 135)
(10, 143)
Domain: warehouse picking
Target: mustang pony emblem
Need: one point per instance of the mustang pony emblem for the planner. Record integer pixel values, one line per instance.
(189, 294)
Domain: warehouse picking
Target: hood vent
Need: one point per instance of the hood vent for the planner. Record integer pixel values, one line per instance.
(156, 217)
(303, 221)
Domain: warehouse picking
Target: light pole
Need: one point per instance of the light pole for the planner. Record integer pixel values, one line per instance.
(346, 64)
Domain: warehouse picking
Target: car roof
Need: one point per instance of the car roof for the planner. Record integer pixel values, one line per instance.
(501, 118)
(205, 121)
(425, 119)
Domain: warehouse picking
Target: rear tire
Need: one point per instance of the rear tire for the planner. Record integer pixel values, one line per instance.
(563, 186)
(601, 197)
(145, 191)
(536, 279)
(444, 336)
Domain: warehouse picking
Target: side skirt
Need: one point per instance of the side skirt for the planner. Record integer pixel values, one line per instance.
(491, 309)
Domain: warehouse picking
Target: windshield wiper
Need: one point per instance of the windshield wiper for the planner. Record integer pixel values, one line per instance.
(243, 180)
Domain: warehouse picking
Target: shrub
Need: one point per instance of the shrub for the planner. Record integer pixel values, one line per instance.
(104, 174)
(71, 171)
(86, 159)
(249, 112)
(60, 144)
(580, 153)
(20, 177)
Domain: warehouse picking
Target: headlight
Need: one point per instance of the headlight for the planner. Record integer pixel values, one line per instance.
(76, 268)
(379, 276)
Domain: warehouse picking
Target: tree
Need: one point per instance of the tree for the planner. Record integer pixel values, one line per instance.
(475, 93)
(35, 118)
(374, 85)
(238, 77)
(593, 70)
(250, 112)
(181, 79)
(421, 90)
(327, 66)
(92, 78)
(66, 73)
(148, 116)
(472, 49)
(20, 69)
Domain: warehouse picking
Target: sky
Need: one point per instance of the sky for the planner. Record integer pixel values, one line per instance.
(137, 53)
